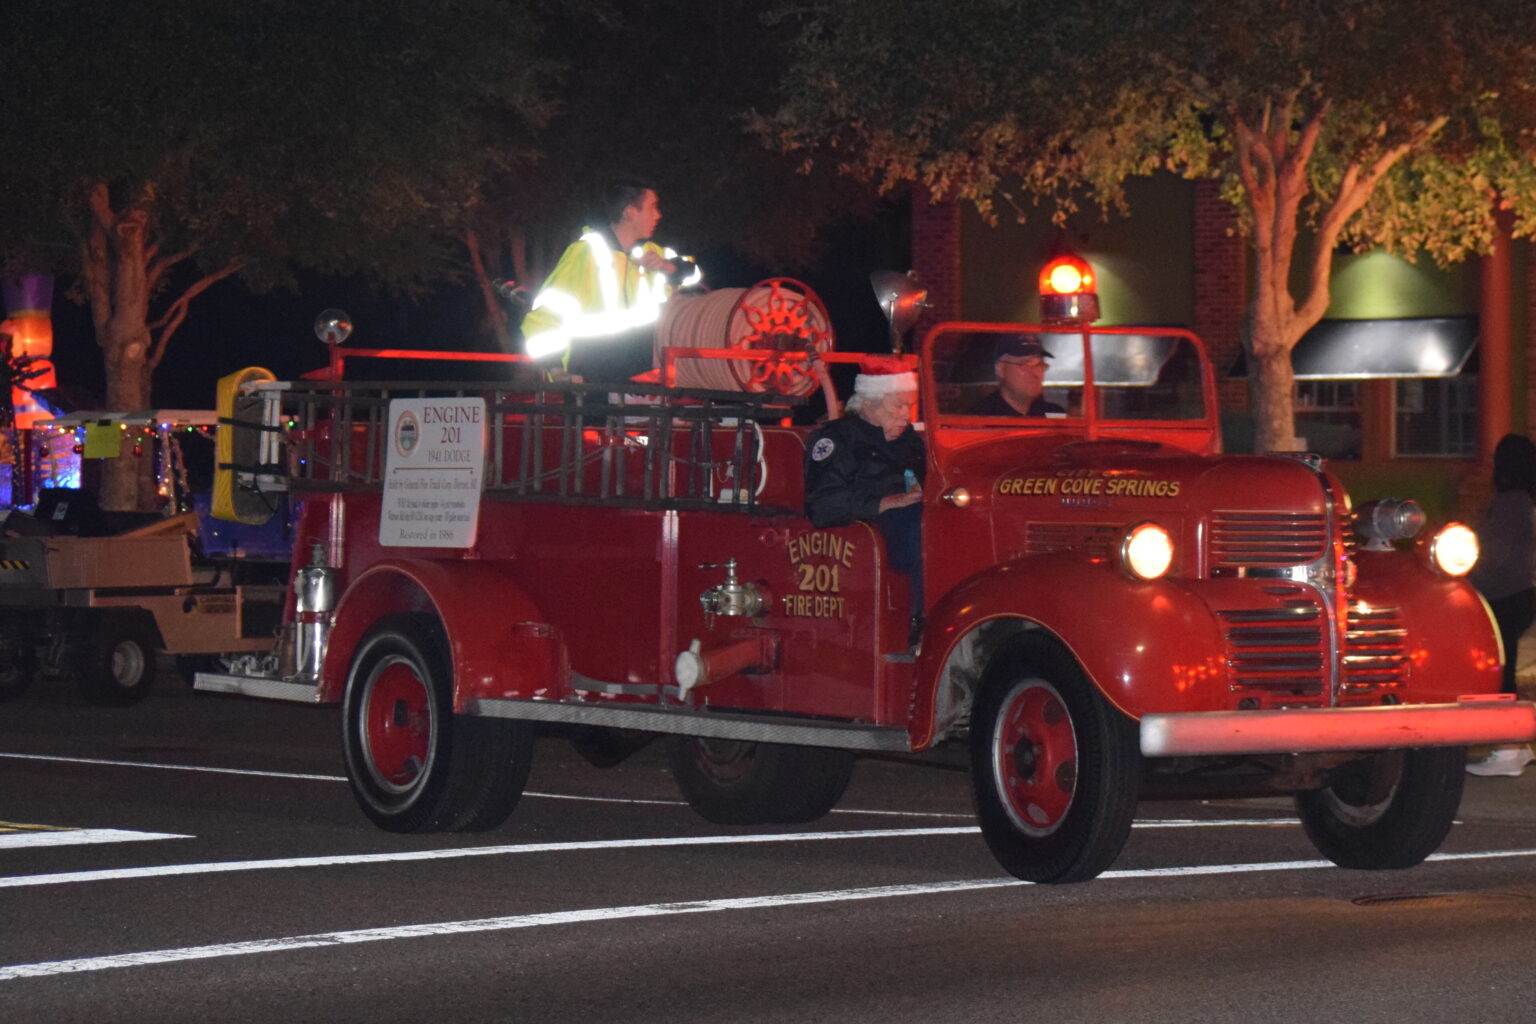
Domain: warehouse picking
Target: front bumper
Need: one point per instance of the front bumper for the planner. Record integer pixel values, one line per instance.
(1479, 719)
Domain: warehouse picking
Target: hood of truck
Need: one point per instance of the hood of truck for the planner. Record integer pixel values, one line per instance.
(1037, 495)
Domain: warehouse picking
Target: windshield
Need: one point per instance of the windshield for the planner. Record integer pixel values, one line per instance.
(991, 371)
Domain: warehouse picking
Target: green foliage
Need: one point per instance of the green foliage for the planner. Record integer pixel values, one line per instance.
(1027, 101)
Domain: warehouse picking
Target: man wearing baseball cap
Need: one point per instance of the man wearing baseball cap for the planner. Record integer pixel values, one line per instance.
(1019, 360)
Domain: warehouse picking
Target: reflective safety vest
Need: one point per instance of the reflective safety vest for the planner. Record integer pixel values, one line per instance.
(596, 293)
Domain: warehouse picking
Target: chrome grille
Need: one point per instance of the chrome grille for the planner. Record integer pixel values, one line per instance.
(1277, 654)
(1097, 540)
(1375, 649)
(1241, 540)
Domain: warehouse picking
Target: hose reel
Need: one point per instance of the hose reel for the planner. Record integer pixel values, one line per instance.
(779, 315)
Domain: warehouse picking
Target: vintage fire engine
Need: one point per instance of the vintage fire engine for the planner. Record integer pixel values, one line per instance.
(1115, 611)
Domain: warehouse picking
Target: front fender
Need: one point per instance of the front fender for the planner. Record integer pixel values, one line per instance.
(499, 640)
(1453, 644)
(1147, 645)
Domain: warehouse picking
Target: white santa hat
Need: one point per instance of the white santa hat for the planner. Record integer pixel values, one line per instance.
(876, 380)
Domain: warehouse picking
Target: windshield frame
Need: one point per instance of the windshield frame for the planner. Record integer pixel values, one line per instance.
(1201, 434)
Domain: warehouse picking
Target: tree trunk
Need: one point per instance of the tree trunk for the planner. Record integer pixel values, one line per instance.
(495, 312)
(114, 262)
(1272, 386)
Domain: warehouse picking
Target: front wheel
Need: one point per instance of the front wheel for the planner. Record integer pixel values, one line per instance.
(114, 660)
(413, 765)
(731, 782)
(1386, 811)
(1055, 769)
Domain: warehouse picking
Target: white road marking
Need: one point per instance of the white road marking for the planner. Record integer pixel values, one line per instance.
(79, 837)
(493, 924)
(1148, 823)
(172, 767)
(221, 867)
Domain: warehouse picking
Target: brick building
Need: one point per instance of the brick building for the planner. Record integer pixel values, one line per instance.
(1176, 260)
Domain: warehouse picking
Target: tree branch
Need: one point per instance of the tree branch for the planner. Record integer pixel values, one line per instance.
(1355, 191)
(177, 312)
(156, 266)
(493, 311)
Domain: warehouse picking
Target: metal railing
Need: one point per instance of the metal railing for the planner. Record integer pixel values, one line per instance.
(632, 445)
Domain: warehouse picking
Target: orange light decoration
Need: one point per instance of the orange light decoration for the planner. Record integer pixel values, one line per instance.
(28, 302)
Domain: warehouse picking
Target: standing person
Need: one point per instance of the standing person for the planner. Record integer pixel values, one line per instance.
(1506, 572)
(1019, 360)
(870, 465)
(595, 316)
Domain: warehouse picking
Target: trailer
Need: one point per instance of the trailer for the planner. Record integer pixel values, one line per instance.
(98, 596)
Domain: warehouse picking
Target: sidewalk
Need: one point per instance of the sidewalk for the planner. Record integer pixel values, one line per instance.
(1499, 798)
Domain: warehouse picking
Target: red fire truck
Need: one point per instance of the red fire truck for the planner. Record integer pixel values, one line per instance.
(1115, 611)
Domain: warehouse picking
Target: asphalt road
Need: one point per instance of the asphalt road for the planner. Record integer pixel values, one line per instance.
(199, 858)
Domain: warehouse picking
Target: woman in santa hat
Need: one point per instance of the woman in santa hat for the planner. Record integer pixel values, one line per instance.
(870, 464)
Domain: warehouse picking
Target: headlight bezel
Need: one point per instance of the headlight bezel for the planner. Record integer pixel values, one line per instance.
(1147, 551)
(1453, 550)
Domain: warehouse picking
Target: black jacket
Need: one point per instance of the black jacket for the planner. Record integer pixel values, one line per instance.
(996, 405)
(850, 466)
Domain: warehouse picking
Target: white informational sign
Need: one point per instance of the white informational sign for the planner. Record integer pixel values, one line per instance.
(433, 471)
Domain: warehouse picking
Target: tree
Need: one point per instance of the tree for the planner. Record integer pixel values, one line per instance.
(160, 147)
(1404, 124)
(662, 91)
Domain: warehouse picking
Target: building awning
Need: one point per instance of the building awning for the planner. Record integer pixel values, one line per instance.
(1380, 349)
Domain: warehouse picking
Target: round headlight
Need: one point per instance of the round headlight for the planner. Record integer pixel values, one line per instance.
(1147, 551)
(1453, 549)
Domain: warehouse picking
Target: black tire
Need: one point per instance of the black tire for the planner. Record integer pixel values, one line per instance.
(113, 661)
(415, 766)
(1387, 811)
(1054, 767)
(732, 782)
(18, 665)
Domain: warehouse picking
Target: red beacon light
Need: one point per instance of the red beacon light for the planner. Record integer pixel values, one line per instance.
(1067, 291)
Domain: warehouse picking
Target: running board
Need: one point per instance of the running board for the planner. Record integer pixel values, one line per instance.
(714, 725)
(256, 686)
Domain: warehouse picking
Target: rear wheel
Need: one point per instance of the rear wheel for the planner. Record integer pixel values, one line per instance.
(114, 659)
(413, 765)
(1055, 769)
(1389, 810)
(731, 782)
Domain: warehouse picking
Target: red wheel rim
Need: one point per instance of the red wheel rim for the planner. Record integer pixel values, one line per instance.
(1034, 757)
(397, 724)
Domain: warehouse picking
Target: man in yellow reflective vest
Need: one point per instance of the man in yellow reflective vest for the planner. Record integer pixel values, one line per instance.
(595, 316)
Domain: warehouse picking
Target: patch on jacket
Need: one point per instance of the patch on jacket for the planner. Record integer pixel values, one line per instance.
(822, 449)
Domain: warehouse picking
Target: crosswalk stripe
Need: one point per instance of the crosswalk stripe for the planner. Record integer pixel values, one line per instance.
(43, 835)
